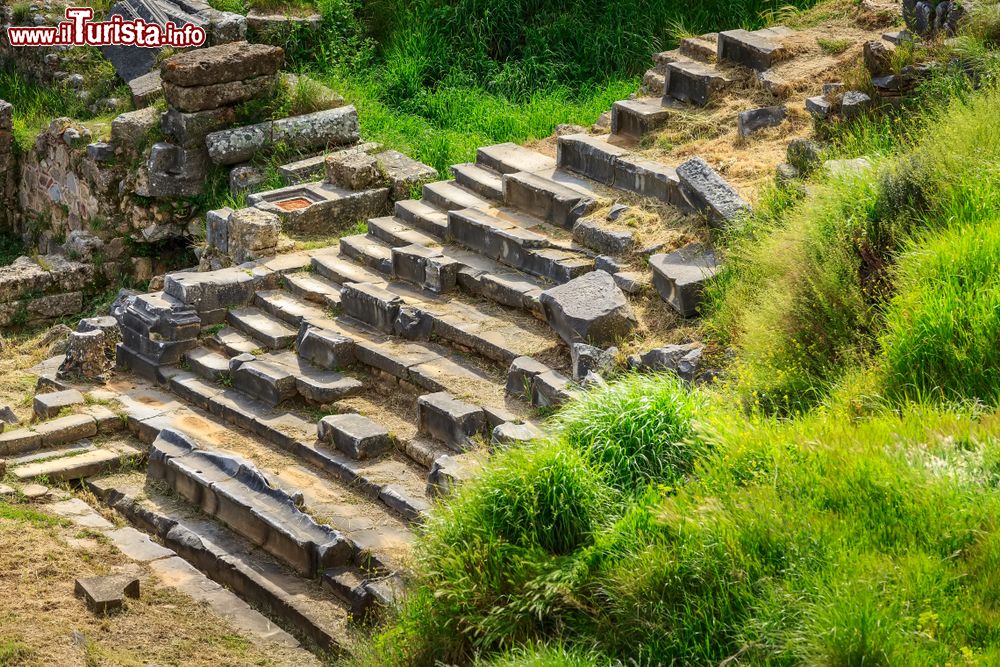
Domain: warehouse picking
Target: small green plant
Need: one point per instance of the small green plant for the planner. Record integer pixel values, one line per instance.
(834, 47)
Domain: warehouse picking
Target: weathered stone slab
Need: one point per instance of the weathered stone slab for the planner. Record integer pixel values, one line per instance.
(589, 309)
(235, 61)
(355, 435)
(550, 390)
(680, 276)
(107, 594)
(371, 304)
(450, 420)
(511, 433)
(636, 118)
(324, 348)
(748, 49)
(190, 129)
(49, 405)
(545, 199)
(753, 120)
(332, 127)
(406, 175)
(146, 89)
(238, 494)
(709, 192)
(693, 82)
(590, 156)
(214, 96)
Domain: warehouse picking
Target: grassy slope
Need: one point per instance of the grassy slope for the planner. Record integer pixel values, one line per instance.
(849, 517)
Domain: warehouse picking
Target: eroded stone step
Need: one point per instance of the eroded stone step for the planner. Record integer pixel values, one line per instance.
(633, 119)
(423, 216)
(680, 277)
(296, 603)
(396, 233)
(339, 269)
(79, 465)
(234, 491)
(614, 166)
(334, 492)
(270, 331)
(207, 363)
(448, 195)
(398, 485)
(315, 288)
(545, 198)
(694, 82)
(703, 47)
(484, 182)
(369, 251)
(523, 249)
(233, 342)
(756, 50)
(510, 158)
(59, 431)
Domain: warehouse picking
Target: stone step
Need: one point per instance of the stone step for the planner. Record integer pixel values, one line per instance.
(680, 276)
(258, 377)
(510, 158)
(339, 269)
(297, 604)
(756, 50)
(316, 385)
(397, 233)
(207, 363)
(423, 217)
(544, 198)
(106, 458)
(653, 82)
(484, 182)
(703, 47)
(270, 331)
(396, 483)
(694, 82)
(233, 490)
(315, 288)
(287, 307)
(56, 432)
(517, 247)
(334, 487)
(606, 163)
(47, 406)
(369, 251)
(448, 195)
(633, 119)
(233, 342)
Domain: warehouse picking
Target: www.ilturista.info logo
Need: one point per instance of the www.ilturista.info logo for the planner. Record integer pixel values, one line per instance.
(79, 29)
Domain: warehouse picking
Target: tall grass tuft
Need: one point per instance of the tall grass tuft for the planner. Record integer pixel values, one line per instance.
(637, 431)
(943, 327)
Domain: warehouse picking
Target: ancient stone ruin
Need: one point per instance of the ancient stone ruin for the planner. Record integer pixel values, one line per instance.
(297, 407)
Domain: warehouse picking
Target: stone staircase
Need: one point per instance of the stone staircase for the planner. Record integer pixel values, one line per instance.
(369, 376)
(698, 73)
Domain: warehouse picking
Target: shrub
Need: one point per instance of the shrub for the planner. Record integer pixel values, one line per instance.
(638, 430)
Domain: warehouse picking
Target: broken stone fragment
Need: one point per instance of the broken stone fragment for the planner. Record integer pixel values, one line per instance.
(333, 127)
(253, 234)
(354, 170)
(107, 594)
(85, 357)
(854, 103)
(236, 61)
(589, 309)
(587, 359)
(245, 177)
(753, 120)
(681, 359)
(878, 57)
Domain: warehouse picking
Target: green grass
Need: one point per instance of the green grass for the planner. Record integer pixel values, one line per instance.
(806, 289)
(26, 514)
(13, 652)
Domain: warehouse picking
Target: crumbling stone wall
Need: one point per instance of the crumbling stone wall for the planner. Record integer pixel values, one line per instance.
(8, 165)
(69, 187)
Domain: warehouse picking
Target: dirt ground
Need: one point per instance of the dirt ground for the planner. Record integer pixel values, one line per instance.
(43, 623)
